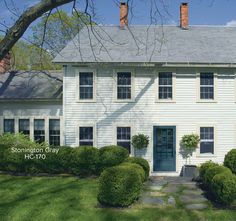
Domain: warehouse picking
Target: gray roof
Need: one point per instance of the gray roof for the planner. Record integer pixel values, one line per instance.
(31, 85)
(198, 44)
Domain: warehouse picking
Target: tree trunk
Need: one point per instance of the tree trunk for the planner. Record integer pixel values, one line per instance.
(30, 15)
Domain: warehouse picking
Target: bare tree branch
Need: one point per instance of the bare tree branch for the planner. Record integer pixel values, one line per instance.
(30, 15)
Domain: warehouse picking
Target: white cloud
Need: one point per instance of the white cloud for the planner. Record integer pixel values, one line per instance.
(231, 23)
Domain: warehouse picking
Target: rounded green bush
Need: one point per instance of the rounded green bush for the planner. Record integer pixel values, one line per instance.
(211, 172)
(119, 186)
(224, 188)
(84, 160)
(137, 167)
(111, 156)
(230, 160)
(205, 166)
(142, 162)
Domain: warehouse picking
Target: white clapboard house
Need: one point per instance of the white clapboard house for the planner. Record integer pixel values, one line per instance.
(162, 81)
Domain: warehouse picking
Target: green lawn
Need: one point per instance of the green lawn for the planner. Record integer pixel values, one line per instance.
(57, 198)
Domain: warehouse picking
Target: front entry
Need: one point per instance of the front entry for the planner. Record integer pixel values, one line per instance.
(164, 148)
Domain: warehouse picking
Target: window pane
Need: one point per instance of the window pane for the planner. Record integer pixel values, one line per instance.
(207, 79)
(54, 132)
(86, 85)
(207, 92)
(9, 126)
(86, 92)
(207, 140)
(165, 85)
(86, 136)
(39, 130)
(24, 126)
(124, 78)
(123, 92)
(124, 137)
(86, 78)
(165, 78)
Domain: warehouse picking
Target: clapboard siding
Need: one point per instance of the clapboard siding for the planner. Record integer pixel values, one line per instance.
(186, 113)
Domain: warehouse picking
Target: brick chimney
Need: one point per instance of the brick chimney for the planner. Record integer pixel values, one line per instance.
(123, 14)
(184, 16)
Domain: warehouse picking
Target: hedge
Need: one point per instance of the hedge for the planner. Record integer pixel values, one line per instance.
(205, 166)
(230, 160)
(111, 156)
(119, 186)
(224, 188)
(142, 162)
(211, 172)
(137, 167)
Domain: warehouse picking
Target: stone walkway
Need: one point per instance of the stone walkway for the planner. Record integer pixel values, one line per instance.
(170, 191)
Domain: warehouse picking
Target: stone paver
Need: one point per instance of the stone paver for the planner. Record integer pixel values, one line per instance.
(185, 199)
(159, 192)
(197, 206)
(153, 200)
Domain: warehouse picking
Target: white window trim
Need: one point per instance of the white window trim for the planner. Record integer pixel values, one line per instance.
(199, 100)
(87, 124)
(115, 71)
(94, 71)
(132, 132)
(207, 155)
(31, 119)
(173, 100)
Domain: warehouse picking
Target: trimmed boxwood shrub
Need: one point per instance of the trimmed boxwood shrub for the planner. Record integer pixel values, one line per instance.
(84, 160)
(230, 160)
(205, 166)
(119, 186)
(211, 172)
(111, 156)
(142, 162)
(137, 167)
(224, 188)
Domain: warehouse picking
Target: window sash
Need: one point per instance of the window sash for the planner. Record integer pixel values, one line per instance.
(207, 140)
(207, 86)
(124, 85)
(165, 86)
(39, 130)
(24, 126)
(9, 126)
(86, 87)
(54, 132)
(86, 139)
(123, 137)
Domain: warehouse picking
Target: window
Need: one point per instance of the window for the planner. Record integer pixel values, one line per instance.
(165, 85)
(123, 85)
(124, 137)
(54, 132)
(207, 140)
(86, 85)
(86, 136)
(207, 86)
(39, 130)
(9, 126)
(24, 126)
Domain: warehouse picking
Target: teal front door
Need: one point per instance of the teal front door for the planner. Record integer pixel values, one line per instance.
(164, 148)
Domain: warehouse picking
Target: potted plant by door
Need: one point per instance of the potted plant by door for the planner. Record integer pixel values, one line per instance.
(188, 145)
(139, 142)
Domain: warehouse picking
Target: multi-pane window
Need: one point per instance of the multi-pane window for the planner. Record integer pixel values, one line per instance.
(9, 126)
(207, 140)
(124, 85)
(207, 86)
(24, 126)
(54, 132)
(85, 85)
(124, 137)
(165, 84)
(39, 130)
(86, 136)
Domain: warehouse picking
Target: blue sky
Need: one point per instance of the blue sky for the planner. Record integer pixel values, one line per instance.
(201, 12)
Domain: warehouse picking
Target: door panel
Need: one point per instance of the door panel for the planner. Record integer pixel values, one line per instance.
(164, 148)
